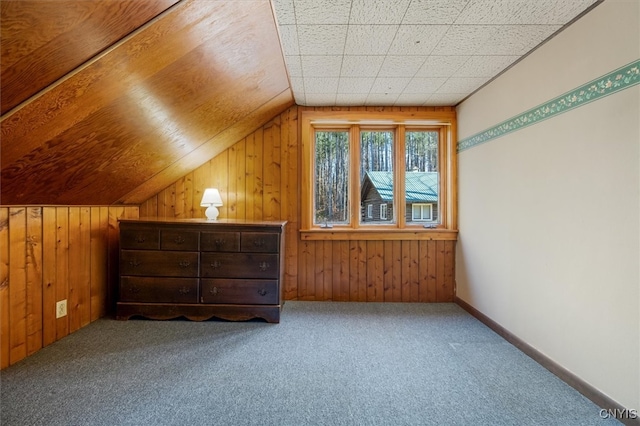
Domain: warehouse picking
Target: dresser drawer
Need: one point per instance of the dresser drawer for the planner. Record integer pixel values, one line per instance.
(159, 263)
(220, 241)
(239, 265)
(258, 292)
(141, 238)
(159, 290)
(259, 242)
(171, 239)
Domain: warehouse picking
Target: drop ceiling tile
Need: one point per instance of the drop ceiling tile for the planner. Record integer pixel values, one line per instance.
(369, 39)
(360, 85)
(322, 39)
(522, 12)
(380, 99)
(492, 39)
(321, 65)
(435, 12)
(461, 85)
(322, 11)
(417, 39)
(517, 39)
(289, 37)
(464, 40)
(465, 43)
(285, 14)
(424, 85)
(366, 12)
(484, 66)
(317, 85)
(389, 85)
(401, 66)
(441, 66)
(294, 65)
(412, 99)
(345, 99)
(297, 84)
(321, 99)
(361, 66)
(300, 98)
(448, 99)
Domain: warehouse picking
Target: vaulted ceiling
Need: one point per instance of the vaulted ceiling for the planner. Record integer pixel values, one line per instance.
(109, 101)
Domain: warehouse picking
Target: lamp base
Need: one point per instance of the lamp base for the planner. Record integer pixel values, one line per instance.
(212, 213)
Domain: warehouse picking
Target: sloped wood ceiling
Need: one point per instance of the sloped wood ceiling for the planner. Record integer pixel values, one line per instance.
(109, 101)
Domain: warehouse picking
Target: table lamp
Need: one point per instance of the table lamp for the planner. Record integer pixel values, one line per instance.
(211, 200)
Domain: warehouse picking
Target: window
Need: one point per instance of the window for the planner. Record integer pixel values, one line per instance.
(377, 172)
(331, 178)
(383, 211)
(422, 212)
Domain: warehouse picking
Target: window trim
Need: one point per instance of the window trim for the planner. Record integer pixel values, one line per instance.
(445, 120)
(383, 207)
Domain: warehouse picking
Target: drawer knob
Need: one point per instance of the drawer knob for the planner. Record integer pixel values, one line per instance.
(258, 242)
(184, 290)
(262, 292)
(135, 263)
(184, 264)
(134, 289)
(263, 266)
(219, 243)
(214, 291)
(140, 239)
(179, 239)
(215, 264)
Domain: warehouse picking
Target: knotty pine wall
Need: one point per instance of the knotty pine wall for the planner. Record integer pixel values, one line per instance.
(259, 178)
(48, 254)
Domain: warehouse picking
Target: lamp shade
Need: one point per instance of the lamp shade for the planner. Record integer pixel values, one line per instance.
(211, 197)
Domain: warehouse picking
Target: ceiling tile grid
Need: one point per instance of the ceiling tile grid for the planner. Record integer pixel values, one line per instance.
(401, 66)
(321, 65)
(367, 12)
(409, 52)
(355, 85)
(369, 39)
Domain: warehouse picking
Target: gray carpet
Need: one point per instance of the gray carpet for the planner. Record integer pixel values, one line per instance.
(324, 364)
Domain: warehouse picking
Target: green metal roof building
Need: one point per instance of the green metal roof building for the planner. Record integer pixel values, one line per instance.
(421, 195)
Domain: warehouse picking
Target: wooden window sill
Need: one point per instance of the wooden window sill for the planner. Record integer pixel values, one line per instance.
(376, 234)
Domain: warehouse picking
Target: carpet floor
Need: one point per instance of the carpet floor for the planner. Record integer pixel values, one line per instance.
(326, 363)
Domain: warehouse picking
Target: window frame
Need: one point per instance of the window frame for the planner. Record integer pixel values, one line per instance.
(444, 121)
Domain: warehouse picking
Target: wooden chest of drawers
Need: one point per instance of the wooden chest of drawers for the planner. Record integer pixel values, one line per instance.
(200, 269)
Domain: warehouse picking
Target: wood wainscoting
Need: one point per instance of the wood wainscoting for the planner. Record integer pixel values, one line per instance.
(49, 254)
(259, 179)
(376, 271)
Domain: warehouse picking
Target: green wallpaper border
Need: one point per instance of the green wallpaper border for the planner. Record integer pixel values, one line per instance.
(615, 81)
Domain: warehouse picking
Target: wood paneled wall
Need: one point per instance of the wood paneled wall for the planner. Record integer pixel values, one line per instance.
(259, 178)
(48, 254)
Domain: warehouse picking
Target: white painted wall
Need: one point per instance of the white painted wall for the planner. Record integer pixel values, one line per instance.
(549, 242)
